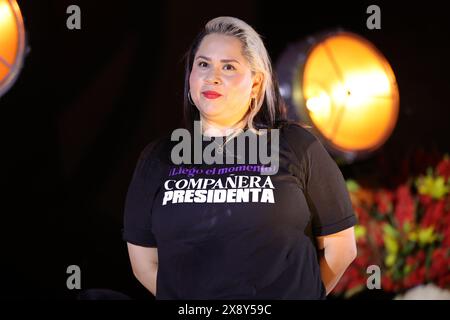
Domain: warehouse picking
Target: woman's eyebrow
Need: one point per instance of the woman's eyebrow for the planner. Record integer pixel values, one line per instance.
(223, 60)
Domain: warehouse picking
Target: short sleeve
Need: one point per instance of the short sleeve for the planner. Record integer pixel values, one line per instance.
(137, 222)
(324, 185)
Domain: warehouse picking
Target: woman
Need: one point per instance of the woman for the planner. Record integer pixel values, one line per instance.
(294, 243)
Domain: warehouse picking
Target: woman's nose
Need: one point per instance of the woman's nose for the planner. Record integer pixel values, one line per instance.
(213, 77)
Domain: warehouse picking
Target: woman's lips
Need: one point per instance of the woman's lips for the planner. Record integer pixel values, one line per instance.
(211, 94)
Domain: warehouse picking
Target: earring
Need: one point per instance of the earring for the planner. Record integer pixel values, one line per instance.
(190, 99)
(253, 104)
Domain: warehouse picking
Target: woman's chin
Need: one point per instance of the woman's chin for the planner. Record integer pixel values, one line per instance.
(211, 110)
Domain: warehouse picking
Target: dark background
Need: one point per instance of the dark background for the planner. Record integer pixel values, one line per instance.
(88, 101)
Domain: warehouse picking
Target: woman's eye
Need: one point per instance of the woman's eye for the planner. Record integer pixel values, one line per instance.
(231, 67)
(202, 64)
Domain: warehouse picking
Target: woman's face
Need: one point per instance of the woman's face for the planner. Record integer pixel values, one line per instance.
(220, 67)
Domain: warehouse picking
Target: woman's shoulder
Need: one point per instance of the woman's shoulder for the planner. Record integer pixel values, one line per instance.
(157, 149)
(298, 136)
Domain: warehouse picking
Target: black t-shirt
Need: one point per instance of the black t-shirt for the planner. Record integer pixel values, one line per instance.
(229, 232)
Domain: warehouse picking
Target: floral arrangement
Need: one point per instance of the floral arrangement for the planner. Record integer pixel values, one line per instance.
(405, 231)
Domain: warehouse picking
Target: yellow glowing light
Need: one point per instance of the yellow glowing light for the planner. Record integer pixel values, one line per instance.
(319, 104)
(12, 42)
(350, 92)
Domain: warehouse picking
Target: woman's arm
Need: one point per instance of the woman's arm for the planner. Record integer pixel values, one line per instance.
(144, 262)
(336, 252)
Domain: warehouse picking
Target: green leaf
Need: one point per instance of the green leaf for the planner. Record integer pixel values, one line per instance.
(407, 269)
(428, 257)
(399, 265)
(389, 261)
(408, 248)
(390, 231)
(426, 236)
(397, 275)
(352, 185)
(435, 187)
(360, 231)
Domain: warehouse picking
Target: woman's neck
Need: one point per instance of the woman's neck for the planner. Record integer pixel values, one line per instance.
(214, 129)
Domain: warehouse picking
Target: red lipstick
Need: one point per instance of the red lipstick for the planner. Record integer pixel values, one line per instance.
(211, 94)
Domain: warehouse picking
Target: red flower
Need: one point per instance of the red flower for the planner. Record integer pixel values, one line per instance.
(444, 282)
(384, 201)
(439, 264)
(443, 168)
(363, 216)
(421, 274)
(404, 209)
(386, 283)
(421, 256)
(410, 280)
(433, 215)
(411, 261)
(375, 230)
(415, 278)
(446, 232)
(425, 199)
(376, 208)
(361, 261)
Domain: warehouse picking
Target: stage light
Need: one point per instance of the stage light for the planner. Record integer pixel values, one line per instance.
(12, 43)
(344, 88)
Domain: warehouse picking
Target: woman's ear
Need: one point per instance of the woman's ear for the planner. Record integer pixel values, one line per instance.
(257, 82)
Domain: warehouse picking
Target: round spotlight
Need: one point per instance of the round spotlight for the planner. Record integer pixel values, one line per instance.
(12, 43)
(344, 88)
